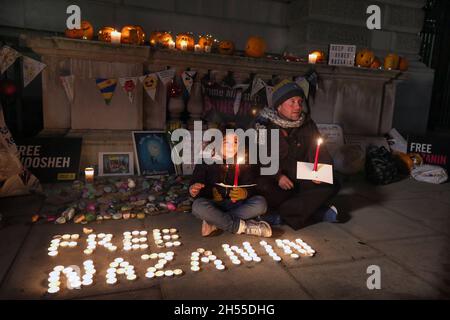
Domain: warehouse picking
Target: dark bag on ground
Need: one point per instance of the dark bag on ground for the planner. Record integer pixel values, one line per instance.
(381, 167)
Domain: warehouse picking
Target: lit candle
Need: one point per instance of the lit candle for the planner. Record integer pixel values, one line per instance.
(171, 44)
(316, 159)
(207, 48)
(312, 58)
(115, 37)
(183, 45)
(197, 48)
(89, 175)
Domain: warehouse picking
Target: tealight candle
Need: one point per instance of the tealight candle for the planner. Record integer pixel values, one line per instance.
(111, 281)
(168, 273)
(53, 253)
(176, 243)
(220, 267)
(171, 44)
(207, 49)
(88, 251)
(159, 273)
(149, 275)
(89, 172)
(143, 233)
(87, 282)
(177, 272)
(165, 231)
(152, 269)
(175, 237)
(195, 268)
(145, 257)
(295, 256)
(53, 290)
(197, 48)
(131, 277)
(183, 45)
(66, 237)
(154, 256)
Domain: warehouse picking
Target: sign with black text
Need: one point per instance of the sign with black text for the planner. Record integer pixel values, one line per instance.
(51, 159)
(435, 151)
(342, 55)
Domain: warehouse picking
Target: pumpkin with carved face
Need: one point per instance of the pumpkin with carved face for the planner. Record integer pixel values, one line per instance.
(376, 64)
(364, 58)
(255, 47)
(205, 41)
(132, 35)
(226, 47)
(104, 34)
(85, 32)
(154, 37)
(165, 39)
(186, 39)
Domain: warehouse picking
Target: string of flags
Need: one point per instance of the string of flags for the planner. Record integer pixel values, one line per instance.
(30, 67)
(150, 82)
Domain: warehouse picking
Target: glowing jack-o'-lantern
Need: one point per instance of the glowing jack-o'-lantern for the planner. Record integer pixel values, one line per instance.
(85, 32)
(154, 37)
(391, 61)
(165, 39)
(226, 47)
(205, 41)
(185, 41)
(104, 34)
(255, 47)
(320, 56)
(364, 58)
(132, 35)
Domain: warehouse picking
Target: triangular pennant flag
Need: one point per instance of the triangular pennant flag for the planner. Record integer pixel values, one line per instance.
(188, 80)
(107, 88)
(7, 57)
(237, 101)
(257, 85)
(129, 86)
(304, 84)
(166, 75)
(68, 83)
(31, 68)
(150, 83)
(269, 92)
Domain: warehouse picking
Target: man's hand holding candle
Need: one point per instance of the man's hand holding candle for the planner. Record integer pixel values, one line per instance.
(237, 194)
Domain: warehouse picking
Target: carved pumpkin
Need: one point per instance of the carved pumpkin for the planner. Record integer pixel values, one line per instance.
(320, 56)
(185, 38)
(403, 64)
(226, 47)
(165, 39)
(85, 32)
(364, 58)
(154, 37)
(104, 34)
(376, 64)
(132, 35)
(391, 61)
(255, 47)
(205, 41)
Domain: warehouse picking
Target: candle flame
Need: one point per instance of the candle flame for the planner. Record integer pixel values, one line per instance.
(319, 141)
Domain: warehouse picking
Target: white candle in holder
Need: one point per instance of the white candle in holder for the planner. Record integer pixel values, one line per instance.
(312, 58)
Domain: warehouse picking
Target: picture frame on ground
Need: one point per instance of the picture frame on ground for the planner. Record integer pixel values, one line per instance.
(153, 153)
(115, 164)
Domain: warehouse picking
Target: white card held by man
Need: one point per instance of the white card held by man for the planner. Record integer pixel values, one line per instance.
(315, 171)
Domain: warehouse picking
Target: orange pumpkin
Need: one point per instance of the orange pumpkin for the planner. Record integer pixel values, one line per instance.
(104, 34)
(132, 35)
(403, 64)
(154, 37)
(86, 31)
(205, 41)
(391, 61)
(165, 39)
(364, 58)
(226, 47)
(185, 38)
(320, 56)
(255, 47)
(376, 64)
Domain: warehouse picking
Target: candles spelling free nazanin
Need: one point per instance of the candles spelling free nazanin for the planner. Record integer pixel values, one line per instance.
(316, 159)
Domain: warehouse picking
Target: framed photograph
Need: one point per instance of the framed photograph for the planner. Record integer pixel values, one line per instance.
(153, 153)
(115, 164)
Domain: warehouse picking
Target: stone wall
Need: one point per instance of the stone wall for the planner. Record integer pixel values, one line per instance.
(225, 19)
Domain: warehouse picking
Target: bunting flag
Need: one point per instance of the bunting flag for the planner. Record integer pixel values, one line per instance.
(304, 84)
(129, 86)
(106, 87)
(257, 85)
(68, 84)
(166, 76)
(150, 84)
(7, 57)
(31, 68)
(269, 92)
(188, 80)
